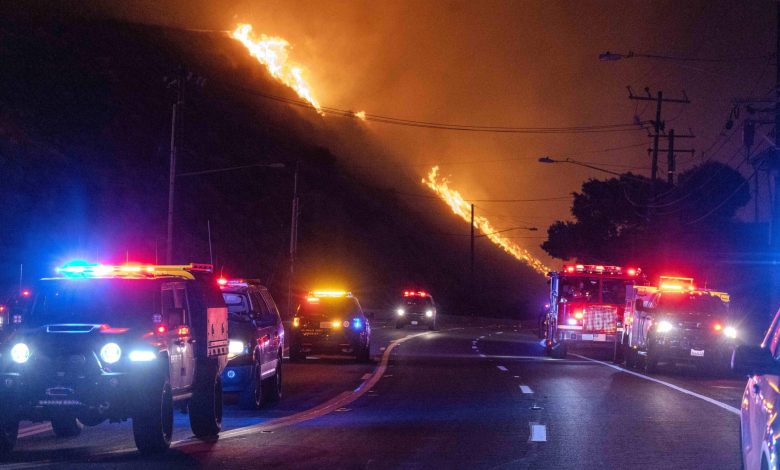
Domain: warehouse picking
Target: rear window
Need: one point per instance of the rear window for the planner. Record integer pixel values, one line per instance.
(330, 308)
(237, 304)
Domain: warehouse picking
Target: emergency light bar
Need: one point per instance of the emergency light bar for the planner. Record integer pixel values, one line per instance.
(672, 283)
(130, 270)
(600, 269)
(330, 293)
(231, 283)
(411, 293)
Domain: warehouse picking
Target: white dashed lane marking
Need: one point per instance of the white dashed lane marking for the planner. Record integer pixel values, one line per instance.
(526, 389)
(538, 433)
(502, 368)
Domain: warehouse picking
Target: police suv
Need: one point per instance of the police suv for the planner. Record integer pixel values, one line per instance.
(254, 368)
(330, 322)
(111, 343)
(416, 307)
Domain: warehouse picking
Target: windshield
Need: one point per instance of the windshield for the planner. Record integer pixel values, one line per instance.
(692, 303)
(330, 308)
(580, 289)
(116, 302)
(586, 289)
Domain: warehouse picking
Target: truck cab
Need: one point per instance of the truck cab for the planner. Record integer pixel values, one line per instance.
(586, 307)
(111, 343)
(677, 322)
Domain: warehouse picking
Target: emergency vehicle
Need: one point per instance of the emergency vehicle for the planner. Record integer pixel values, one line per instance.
(254, 368)
(330, 322)
(416, 307)
(678, 322)
(586, 307)
(111, 343)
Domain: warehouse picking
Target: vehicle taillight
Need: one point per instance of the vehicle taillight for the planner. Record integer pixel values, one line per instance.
(162, 329)
(717, 327)
(296, 322)
(578, 315)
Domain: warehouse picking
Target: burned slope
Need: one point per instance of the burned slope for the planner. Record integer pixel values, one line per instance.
(84, 139)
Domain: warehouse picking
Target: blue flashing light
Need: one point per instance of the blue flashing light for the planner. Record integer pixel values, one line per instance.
(357, 324)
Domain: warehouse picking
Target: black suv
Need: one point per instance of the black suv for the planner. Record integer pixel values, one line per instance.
(416, 308)
(116, 343)
(330, 323)
(254, 368)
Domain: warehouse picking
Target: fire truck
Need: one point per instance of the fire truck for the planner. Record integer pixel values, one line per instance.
(678, 322)
(586, 307)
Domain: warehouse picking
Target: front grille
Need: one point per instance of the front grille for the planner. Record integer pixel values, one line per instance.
(601, 318)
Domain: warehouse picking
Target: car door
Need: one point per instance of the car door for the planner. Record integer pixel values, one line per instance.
(176, 314)
(277, 338)
(762, 399)
(266, 332)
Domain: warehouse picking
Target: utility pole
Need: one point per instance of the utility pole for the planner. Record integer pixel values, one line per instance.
(670, 164)
(472, 242)
(178, 85)
(658, 124)
(672, 152)
(293, 240)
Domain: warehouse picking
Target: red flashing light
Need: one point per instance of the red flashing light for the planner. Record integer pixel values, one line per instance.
(25, 293)
(419, 293)
(578, 315)
(631, 272)
(222, 281)
(162, 329)
(717, 327)
(2, 308)
(569, 269)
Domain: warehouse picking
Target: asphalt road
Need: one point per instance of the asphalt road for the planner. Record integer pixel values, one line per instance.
(467, 396)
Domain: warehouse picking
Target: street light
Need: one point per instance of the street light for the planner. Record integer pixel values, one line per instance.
(547, 159)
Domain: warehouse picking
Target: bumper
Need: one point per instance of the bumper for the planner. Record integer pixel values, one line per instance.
(713, 352)
(236, 377)
(107, 395)
(328, 343)
(415, 319)
(574, 335)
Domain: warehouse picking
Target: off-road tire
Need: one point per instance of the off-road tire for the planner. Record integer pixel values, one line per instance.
(66, 426)
(251, 397)
(153, 420)
(432, 325)
(206, 401)
(560, 351)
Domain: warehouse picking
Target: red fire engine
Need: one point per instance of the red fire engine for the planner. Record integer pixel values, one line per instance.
(586, 306)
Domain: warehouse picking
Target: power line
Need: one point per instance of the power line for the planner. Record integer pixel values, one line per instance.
(625, 127)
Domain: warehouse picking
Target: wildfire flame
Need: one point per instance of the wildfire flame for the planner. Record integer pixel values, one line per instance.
(272, 52)
(361, 115)
(462, 208)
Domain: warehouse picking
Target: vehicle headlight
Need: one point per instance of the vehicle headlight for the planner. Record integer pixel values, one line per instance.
(110, 353)
(235, 347)
(400, 312)
(664, 327)
(429, 313)
(730, 332)
(20, 353)
(142, 356)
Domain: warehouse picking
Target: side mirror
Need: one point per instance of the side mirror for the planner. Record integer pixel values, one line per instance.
(174, 317)
(753, 360)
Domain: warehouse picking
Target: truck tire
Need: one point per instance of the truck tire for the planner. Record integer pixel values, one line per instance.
(153, 420)
(432, 325)
(560, 351)
(651, 361)
(272, 387)
(66, 426)
(9, 430)
(206, 402)
(398, 325)
(629, 356)
(251, 398)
